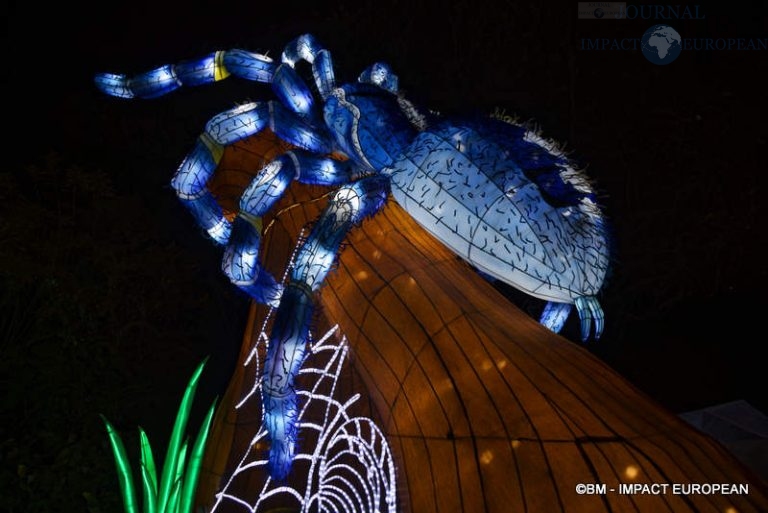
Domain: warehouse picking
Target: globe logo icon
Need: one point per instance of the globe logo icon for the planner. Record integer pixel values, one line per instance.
(661, 44)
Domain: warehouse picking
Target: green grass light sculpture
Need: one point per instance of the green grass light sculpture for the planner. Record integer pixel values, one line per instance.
(175, 492)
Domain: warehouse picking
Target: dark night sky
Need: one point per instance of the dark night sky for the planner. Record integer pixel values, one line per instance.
(678, 153)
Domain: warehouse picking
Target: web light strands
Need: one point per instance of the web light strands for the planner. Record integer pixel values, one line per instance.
(349, 467)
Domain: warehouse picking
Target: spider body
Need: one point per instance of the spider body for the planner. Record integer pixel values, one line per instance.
(501, 197)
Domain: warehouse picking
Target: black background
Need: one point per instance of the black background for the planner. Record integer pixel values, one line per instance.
(112, 295)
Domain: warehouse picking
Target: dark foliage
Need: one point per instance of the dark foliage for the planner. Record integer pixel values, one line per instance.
(86, 328)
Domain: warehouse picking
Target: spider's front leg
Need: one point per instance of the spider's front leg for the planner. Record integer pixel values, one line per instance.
(221, 64)
(191, 179)
(240, 262)
(210, 68)
(288, 339)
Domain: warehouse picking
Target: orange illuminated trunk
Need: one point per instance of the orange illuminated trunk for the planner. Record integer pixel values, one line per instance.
(484, 409)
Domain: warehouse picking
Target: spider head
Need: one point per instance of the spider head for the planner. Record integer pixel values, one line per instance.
(367, 121)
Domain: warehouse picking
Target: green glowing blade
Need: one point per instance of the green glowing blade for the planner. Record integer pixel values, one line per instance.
(195, 461)
(168, 482)
(181, 462)
(148, 474)
(178, 481)
(123, 468)
(173, 500)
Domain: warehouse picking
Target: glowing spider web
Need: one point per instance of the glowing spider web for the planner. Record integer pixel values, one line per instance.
(346, 459)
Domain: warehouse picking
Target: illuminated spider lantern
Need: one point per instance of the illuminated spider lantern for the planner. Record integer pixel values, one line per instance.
(499, 195)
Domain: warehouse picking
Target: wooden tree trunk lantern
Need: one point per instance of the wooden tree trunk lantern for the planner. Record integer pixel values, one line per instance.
(484, 409)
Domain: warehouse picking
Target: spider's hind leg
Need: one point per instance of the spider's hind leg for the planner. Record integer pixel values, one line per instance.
(589, 309)
(555, 315)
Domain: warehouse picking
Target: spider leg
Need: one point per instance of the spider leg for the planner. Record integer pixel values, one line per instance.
(380, 74)
(293, 92)
(240, 262)
(288, 339)
(306, 48)
(589, 309)
(226, 128)
(205, 70)
(555, 315)
(286, 83)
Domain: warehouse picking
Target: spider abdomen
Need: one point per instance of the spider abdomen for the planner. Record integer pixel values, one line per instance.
(509, 203)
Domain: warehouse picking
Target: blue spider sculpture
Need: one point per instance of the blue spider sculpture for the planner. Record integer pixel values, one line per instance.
(499, 195)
